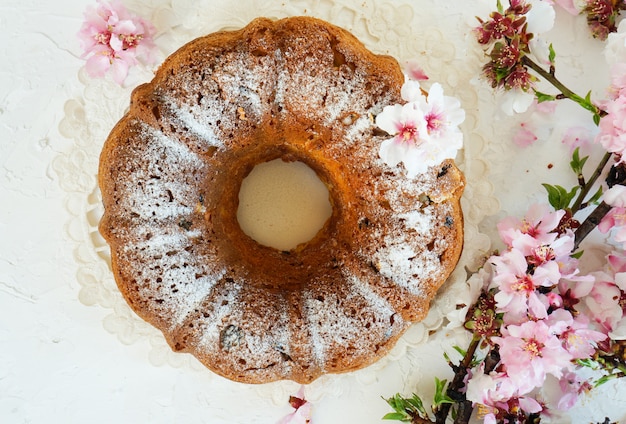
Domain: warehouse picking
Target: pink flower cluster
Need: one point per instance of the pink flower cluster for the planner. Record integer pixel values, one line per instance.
(606, 300)
(616, 218)
(425, 129)
(113, 39)
(537, 288)
(612, 135)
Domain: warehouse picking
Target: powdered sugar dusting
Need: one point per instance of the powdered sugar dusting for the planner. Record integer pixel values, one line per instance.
(272, 341)
(159, 243)
(418, 220)
(355, 320)
(399, 262)
(223, 306)
(176, 151)
(376, 302)
(152, 193)
(199, 122)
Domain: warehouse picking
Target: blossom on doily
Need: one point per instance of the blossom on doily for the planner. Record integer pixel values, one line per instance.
(414, 70)
(302, 413)
(114, 40)
(525, 135)
(425, 129)
(537, 126)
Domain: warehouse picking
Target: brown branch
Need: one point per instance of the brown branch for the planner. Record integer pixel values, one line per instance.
(587, 187)
(590, 223)
(419, 420)
(458, 382)
(565, 92)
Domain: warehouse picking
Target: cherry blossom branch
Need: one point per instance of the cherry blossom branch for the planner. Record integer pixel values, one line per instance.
(590, 223)
(589, 184)
(565, 92)
(460, 372)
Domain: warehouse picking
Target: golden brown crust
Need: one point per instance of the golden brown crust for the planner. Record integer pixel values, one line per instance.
(170, 172)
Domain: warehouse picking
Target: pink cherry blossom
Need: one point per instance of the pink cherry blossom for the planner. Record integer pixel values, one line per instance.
(443, 116)
(616, 196)
(302, 413)
(580, 137)
(603, 303)
(578, 339)
(525, 135)
(618, 80)
(518, 295)
(607, 300)
(414, 70)
(615, 219)
(425, 130)
(408, 126)
(617, 265)
(612, 134)
(411, 91)
(114, 40)
(535, 229)
(493, 388)
(567, 5)
(530, 351)
(497, 393)
(571, 387)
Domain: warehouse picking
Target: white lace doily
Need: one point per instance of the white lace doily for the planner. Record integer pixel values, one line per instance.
(437, 33)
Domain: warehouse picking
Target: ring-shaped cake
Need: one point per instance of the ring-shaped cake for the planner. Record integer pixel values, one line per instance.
(298, 89)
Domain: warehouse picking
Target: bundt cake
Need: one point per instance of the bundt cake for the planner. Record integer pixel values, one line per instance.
(298, 89)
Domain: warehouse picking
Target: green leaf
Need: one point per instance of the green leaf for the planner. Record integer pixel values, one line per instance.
(552, 54)
(416, 402)
(587, 104)
(397, 417)
(405, 408)
(554, 196)
(543, 97)
(500, 8)
(596, 118)
(460, 350)
(604, 379)
(578, 254)
(577, 163)
(559, 197)
(440, 396)
(589, 363)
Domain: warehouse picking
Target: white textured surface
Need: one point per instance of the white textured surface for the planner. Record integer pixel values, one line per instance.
(57, 362)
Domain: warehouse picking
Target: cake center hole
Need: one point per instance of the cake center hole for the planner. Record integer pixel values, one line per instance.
(283, 204)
